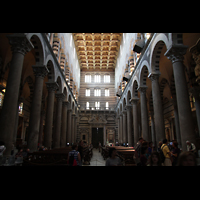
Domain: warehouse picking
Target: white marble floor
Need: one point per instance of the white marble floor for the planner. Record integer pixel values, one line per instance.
(97, 159)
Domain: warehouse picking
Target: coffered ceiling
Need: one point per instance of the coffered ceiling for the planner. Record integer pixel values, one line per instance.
(97, 51)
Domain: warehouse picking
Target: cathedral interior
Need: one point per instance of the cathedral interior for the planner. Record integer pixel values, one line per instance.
(60, 88)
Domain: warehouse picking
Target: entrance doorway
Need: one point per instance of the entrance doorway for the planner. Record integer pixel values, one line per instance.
(97, 135)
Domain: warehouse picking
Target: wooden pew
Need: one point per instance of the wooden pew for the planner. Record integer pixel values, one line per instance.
(56, 157)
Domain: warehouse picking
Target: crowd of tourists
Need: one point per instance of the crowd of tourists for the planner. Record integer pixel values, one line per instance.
(166, 154)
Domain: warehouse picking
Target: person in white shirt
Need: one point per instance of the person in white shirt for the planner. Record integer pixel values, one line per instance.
(190, 146)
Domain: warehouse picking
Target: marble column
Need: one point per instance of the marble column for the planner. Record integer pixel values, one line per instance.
(118, 122)
(157, 106)
(129, 125)
(20, 45)
(52, 87)
(64, 125)
(121, 128)
(175, 54)
(153, 136)
(75, 128)
(34, 123)
(134, 102)
(144, 113)
(72, 128)
(41, 127)
(124, 127)
(176, 120)
(69, 119)
(57, 133)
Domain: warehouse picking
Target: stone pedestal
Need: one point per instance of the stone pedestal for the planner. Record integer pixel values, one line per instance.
(34, 123)
(52, 87)
(175, 54)
(157, 106)
(20, 45)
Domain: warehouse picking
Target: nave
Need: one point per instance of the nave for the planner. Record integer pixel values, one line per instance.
(97, 159)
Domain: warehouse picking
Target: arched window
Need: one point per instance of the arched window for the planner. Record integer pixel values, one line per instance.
(106, 78)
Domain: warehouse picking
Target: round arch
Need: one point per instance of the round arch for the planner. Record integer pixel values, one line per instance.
(157, 46)
(38, 51)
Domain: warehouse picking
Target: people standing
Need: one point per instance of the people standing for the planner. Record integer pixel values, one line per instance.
(175, 153)
(191, 147)
(99, 146)
(74, 155)
(167, 153)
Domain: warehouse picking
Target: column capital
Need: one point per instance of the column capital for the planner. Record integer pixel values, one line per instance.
(176, 53)
(52, 86)
(65, 103)
(20, 43)
(40, 70)
(128, 107)
(124, 112)
(142, 89)
(134, 100)
(60, 96)
(154, 76)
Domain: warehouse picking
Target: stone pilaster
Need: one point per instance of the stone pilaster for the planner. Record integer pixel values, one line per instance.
(20, 45)
(34, 124)
(176, 54)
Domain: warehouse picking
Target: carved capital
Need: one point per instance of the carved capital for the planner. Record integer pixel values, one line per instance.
(134, 100)
(60, 96)
(154, 76)
(40, 71)
(128, 107)
(20, 43)
(143, 89)
(176, 53)
(65, 103)
(52, 87)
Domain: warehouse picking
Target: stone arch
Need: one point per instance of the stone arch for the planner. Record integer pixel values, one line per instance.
(124, 104)
(73, 107)
(120, 107)
(59, 82)
(157, 47)
(128, 98)
(38, 50)
(51, 74)
(143, 76)
(162, 86)
(135, 89)
(65, 93)
(30, 83)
